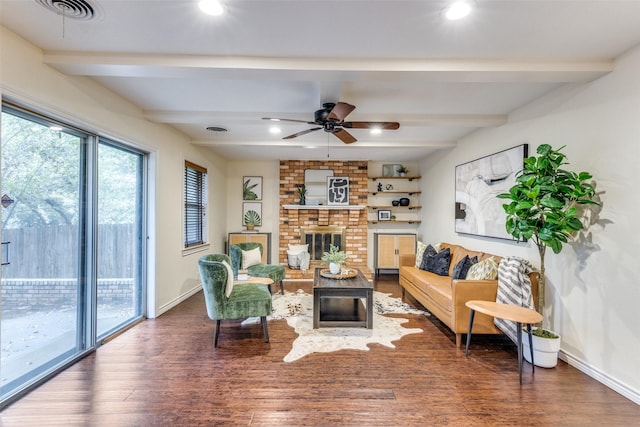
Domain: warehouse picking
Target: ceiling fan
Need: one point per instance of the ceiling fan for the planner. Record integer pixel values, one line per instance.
(331, 119)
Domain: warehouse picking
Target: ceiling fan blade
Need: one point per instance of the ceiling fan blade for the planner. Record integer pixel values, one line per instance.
(275, 119)
(341, 110)
(304, 132)
(371, 125)
(344, 136)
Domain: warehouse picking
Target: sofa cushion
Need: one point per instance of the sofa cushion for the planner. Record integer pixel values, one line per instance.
(429, 251)
(438, 263)
(462, 267)
(486, 269)
(440, 291)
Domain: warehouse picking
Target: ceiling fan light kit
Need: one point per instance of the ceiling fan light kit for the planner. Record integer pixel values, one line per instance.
(331, 117)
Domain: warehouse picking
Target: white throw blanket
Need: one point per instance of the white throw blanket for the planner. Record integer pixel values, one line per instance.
(514, 287)
(304, 258)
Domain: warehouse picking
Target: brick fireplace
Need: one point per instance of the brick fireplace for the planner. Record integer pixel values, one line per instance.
(295, 219)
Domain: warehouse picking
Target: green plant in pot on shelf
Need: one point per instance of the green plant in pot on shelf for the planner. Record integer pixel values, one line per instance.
(543, 206)
(403, 170)
(335, 257)
(251, 219)
(302, 193)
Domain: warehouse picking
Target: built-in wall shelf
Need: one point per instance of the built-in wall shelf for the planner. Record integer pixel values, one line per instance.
(326, 207)
(395, 207)
(408, 178)
(405, 221)
(379, 193)
(381, 197)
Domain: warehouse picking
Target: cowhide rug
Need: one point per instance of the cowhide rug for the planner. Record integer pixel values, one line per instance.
(297, 309)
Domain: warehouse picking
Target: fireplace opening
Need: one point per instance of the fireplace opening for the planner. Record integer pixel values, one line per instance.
(319, 238)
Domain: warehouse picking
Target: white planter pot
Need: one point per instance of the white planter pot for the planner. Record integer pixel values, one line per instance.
(545, 350)
(334, 268)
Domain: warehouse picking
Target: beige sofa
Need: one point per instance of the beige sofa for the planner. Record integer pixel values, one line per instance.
(446, 298)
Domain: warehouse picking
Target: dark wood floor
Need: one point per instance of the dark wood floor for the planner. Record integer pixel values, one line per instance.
(166, 372)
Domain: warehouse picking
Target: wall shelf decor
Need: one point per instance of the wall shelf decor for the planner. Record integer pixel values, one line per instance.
(394, 201)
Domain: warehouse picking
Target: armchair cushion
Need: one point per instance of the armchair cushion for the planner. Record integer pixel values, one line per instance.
(251, 258)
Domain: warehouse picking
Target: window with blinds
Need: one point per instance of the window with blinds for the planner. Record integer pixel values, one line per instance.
(195, 204)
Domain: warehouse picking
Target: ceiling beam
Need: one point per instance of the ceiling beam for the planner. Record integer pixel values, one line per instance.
(326, 69)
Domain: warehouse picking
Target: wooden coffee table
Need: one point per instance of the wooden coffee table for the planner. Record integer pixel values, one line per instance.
(251, 279)
(514, 313)
(355, 288)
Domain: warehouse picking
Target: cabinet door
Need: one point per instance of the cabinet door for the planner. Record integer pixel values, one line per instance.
(406, 245)
(387, 257)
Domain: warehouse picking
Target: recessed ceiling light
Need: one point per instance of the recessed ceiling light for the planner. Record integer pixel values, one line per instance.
(458, 10)
(211, 7)
(376, 131)
(274, 129)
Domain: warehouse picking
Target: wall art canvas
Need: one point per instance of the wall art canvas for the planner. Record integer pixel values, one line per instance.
(252, 213)
(477, 209)
(251, 188)
(337, 190)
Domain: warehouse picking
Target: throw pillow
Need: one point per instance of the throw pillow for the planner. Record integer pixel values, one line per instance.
(461, 269)
(252, 257)
(439, 263)
(419, 253)
(295, 249)
(229, 286)
(429, 251)
(484, 270)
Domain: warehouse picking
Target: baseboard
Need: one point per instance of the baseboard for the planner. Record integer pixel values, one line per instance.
(601, 377)
(168, 306)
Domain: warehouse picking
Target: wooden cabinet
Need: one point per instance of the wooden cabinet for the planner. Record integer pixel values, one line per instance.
(264, 238)
(389, 247)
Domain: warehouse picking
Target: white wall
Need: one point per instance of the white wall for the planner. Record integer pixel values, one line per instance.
(270, 173)
(24, 78)
(593, 289)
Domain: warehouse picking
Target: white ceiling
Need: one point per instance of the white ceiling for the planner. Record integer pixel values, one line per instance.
(394, 60)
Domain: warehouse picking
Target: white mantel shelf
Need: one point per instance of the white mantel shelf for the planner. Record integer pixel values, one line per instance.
(326, 207)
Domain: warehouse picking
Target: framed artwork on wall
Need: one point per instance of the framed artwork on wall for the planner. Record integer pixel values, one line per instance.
(251, 188)
(337, 190)
(477, 209)
(252, 214)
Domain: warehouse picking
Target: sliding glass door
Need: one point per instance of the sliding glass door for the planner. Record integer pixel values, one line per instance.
(120, 244)
(72, 233)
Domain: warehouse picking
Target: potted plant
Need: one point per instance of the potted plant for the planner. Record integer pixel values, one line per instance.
(543, 207)
(302, 192)
(403, 170)
(251, 219)
(335, 257)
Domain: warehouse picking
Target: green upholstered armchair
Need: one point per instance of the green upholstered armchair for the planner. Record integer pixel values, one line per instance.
(272, 271)
(246, 300)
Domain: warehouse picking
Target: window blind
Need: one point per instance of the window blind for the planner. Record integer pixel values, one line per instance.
(195, 203)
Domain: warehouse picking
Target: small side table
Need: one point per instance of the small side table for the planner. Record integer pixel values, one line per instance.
(514, 313)
(259, 280)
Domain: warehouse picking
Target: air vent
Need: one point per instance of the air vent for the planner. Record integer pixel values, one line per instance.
(75, 9)
(216, 129)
